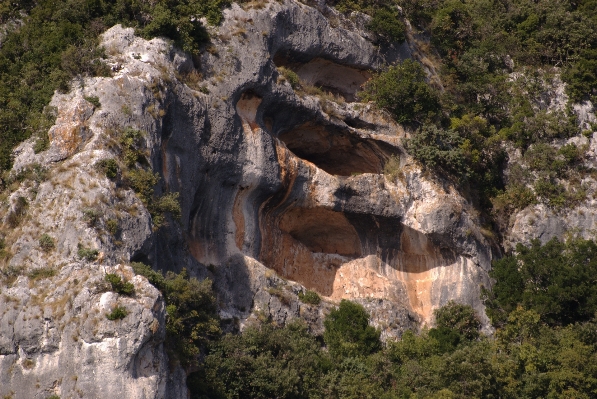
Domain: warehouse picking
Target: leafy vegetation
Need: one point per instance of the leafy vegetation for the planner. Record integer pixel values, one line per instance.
(348, 333)
(403, 91)
(386, 20)
(119, 286)
(89, 254)
(117, 313)
(497, 59)
(527, 358)
(58, 41)
(556, 281)
(192, 315)
(109, 167)
(310, 297)
(46, 242)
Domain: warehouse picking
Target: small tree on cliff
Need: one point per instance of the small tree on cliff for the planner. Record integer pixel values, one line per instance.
(348, 333)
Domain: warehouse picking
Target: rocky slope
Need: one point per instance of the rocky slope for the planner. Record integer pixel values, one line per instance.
(282, 190)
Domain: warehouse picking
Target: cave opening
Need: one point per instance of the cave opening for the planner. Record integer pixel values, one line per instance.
(338, 79)
(334, 151)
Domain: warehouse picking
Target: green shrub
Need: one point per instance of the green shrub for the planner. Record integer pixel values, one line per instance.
(94, 100)
(42, 272)
(403, 91)
(142, 182)
(439, 149)
(555, 280)
(459, 318)
(290, 76)
(348, 333)
(18, 212)
(112, 226)
(167, 203)
(132, 142)
(91, 216)
(46, 243)
(41, 144)
(117, 313)
(109, 167)
(392, 167)
(192, 313)
(386, 22)
(310, 297)
(119, 286)
(89, 254)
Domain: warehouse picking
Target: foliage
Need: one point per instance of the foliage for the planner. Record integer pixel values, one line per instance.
(94, 100)
(348, 333)
(57, 42)
(109, 167)
(112, 226)
(459, 318)
(403, 91)
(191, 308)
(387, 23)
(119, 286)
(46, 243)
(555, 280)
(91, 216)
(441, 150)
(117, 313)
(290, 76)
(263, 362)
(42, 272)
(527, 359)
(132, 141)
(392, 167)
(89, 254)
(309, 297)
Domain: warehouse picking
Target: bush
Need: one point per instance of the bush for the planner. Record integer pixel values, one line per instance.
(386, 22)
(109, 167)
(392, 168)
(403, 91)
(91, 216)
(310, 297)
(119, 286)
(555, 280)
(441, 150)
(46, 243)
(94, 100)
(348, 333)
(290, 76)
(42, 272)
(459, 318)
(192, 314)
(89, 254)
(112, 226)
(117, 313)
(132, 142)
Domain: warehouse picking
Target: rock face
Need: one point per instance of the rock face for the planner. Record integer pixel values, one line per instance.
(281, 190)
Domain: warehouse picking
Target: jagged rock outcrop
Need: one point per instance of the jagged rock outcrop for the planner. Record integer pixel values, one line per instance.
(280, 191)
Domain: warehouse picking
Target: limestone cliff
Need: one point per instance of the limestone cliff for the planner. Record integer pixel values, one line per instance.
(281, 189)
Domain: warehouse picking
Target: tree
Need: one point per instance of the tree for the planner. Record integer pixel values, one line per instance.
(556, 280)
(348, 333)
(403, 91)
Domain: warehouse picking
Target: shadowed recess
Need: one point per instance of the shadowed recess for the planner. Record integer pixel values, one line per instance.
(336, 152)
(327, 75)
(322, 231)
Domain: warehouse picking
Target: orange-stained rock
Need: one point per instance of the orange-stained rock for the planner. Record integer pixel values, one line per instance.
(71, 132)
